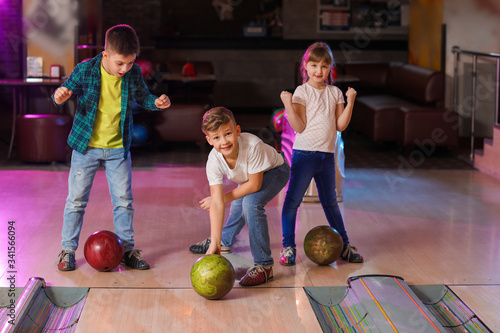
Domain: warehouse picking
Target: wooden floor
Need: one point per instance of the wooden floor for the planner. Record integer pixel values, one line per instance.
(428, 226)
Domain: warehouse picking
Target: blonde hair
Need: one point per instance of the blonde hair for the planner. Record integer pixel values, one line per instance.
(317, 52)
(216, 117)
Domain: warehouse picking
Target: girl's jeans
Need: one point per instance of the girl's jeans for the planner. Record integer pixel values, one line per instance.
(250, 209)
(307, 165)
(81, 176)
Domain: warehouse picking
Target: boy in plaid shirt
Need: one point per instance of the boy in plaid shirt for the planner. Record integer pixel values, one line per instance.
(106, 87)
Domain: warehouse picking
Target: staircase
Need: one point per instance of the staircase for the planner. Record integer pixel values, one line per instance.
(488, 159)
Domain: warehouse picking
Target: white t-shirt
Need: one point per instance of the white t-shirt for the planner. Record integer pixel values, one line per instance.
(321, 129)
(254, 156)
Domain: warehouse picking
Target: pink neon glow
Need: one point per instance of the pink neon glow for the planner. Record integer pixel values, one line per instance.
(39, 115)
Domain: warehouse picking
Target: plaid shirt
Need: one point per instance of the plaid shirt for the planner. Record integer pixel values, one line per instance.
(85, 82)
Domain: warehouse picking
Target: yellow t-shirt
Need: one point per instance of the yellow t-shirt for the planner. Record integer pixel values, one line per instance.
(107, 132)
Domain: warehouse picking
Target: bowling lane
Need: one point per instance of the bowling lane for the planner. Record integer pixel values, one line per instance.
(484, 301)
(436, 227)
(182, 310)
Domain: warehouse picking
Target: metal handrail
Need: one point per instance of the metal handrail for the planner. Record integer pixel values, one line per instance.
(483, 54)
(457, 51)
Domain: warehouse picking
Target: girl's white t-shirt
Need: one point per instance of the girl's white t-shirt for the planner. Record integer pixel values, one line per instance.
(321, 129)
(254, 156)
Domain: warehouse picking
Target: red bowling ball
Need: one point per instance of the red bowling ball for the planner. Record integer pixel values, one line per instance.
(103, 250)
(146, 67)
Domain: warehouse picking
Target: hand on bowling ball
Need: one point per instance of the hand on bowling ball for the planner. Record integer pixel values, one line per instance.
(62, 94)
(213, 248)
(205, 203)
(162, 102)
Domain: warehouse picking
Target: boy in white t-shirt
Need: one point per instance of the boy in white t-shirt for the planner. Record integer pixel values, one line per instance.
(261, 173)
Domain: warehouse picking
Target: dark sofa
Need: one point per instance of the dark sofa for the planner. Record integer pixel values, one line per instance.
(402, 103)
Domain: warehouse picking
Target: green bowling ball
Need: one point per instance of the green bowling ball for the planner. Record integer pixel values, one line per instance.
(212, 276)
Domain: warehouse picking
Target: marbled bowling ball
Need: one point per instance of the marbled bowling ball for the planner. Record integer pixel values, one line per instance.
(323, 245)
(212, 276)
(103, 250)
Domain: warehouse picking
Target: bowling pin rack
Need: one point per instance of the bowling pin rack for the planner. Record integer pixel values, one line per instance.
(38, 308)
(384, 303)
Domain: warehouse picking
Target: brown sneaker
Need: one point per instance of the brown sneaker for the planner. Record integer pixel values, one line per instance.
(66, 261)
(257, 275)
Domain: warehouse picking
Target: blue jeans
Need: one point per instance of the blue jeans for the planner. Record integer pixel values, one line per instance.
(307, 165)
(81, 176)
(250, 209)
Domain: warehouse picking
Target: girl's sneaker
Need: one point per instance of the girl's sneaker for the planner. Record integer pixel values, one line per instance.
(349, 254)
(287, 256)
